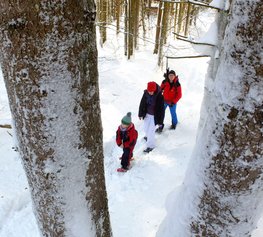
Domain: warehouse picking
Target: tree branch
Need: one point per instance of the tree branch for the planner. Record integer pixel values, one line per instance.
(179, 35)
(5, 126)
(193, 42)
(190, 56)
(194, 3)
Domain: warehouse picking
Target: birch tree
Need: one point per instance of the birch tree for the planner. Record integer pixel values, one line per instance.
(223, 189)
(49, 61)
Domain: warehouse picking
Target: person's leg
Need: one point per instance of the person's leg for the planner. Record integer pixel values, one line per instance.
(125, 159)
(146, 123)
(173, 114)
(150, 132)
(161, 126)
(131, 156)
(165, 106)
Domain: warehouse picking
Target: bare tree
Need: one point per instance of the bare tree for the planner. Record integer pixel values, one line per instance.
(164, 31)
(102, 18)
(49, 61)
(119, 4)
(158, 28)
(225, 189)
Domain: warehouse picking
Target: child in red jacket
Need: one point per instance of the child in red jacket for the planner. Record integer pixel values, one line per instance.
(126, 137)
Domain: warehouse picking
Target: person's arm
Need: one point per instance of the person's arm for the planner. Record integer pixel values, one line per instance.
(141, 113)
(118, 138)
(163, 85)
(133, 138)
(178, 95)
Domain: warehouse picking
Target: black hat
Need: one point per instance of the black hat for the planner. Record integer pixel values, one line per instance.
(172, 72)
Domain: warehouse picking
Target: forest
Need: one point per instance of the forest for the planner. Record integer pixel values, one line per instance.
(50, 55)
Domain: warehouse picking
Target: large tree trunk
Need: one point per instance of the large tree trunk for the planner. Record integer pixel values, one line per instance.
(222, 194)
(49, 61)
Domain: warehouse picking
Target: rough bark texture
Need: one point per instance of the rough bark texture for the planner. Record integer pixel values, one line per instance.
(158, 28)
(164, 31)
(49, 61)
(103, 13)
(233, 180)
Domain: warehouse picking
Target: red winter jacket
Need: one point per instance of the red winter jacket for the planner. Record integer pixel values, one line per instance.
(127, 137)
(172, 92)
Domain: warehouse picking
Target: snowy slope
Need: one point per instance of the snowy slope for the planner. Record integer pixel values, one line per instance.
(137, 199)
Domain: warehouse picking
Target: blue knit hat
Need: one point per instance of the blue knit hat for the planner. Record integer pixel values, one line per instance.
(126, 120)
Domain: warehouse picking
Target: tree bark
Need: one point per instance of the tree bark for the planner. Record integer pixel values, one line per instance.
(158, 28)
(163, 33)
(49, 60)
(223, 189)
(103, 21)
(126, 27)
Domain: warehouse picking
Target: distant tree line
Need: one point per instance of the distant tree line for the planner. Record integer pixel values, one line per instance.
(132, 18)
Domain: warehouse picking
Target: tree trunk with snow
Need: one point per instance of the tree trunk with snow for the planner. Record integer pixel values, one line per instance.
(49, 60)
(223, 190)
(158, 28)
(163, 33)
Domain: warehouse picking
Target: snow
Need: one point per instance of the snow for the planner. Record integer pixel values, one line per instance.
(140, 198)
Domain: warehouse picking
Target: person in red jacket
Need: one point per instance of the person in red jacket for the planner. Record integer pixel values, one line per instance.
(172, 93)
(126, 138)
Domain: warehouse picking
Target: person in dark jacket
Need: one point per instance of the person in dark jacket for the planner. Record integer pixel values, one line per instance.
(172, 93)
(126, 138)
(151, 110)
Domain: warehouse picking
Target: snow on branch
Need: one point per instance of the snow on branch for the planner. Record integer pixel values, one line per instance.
(194, 3)
(190, 56)
(5, 126)
(183, 38)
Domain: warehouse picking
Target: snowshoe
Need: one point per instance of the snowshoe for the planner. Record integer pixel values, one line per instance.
(121, 170)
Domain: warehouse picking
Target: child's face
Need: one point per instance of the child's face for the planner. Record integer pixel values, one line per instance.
(124, 126)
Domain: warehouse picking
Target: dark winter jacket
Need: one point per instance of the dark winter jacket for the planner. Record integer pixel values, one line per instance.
(172, 92)
(158, 110)
(127, 137)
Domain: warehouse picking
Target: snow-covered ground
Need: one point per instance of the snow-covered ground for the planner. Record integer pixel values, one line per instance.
(139, 195)
(137, 199)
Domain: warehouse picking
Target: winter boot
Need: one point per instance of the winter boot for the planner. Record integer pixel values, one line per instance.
(159, 129)
(173, 127)
(147, 150)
